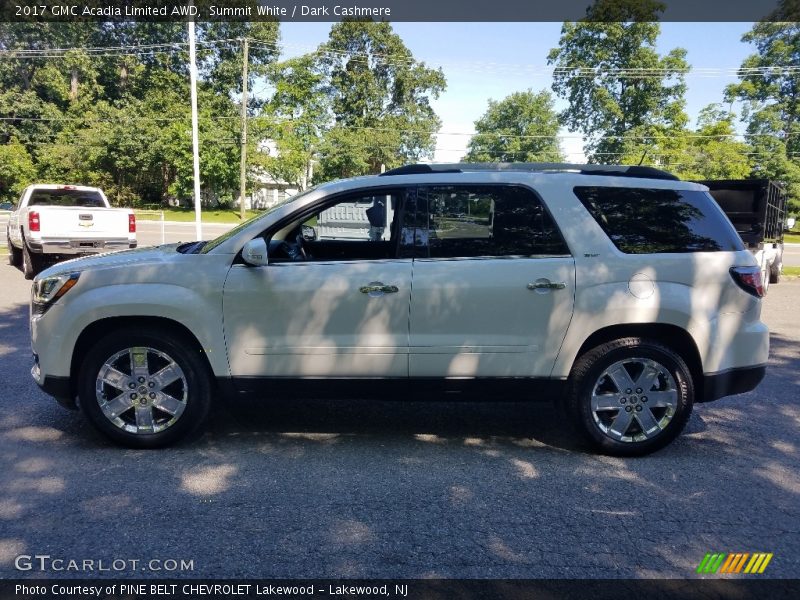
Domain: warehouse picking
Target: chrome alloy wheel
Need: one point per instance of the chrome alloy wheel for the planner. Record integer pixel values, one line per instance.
(634, 400)
(141, 390)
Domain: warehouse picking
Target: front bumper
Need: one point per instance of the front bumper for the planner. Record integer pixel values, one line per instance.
(59, 388)
(731, 381)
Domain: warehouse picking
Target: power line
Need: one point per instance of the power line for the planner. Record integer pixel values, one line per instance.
(475, 66)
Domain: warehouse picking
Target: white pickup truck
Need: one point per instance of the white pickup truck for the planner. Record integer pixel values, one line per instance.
(58, 222)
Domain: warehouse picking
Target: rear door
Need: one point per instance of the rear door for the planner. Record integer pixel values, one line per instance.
(493, 284)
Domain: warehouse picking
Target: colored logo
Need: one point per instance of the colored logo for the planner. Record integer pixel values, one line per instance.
(740, 562)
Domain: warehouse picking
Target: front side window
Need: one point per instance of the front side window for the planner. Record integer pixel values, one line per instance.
(357, 227)
(488, 221)
(645, 221)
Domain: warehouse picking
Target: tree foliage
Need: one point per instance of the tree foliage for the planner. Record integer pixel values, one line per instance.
(771, 100)
(16, 170)
(522, 127)
(122, 119)
(616, 83)
(380, 99)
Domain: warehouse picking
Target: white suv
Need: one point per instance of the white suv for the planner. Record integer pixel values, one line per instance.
(620, 291)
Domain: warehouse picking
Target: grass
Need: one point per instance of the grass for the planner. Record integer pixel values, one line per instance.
(792, 238)
(186, 215)
(791, 271)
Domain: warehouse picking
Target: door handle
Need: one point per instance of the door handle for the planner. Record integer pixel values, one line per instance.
(544, 284)
(376, 288)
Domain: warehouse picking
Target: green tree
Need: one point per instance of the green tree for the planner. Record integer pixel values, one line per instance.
(522, 127)
(16, 170)
(295, 118)
(120, 118)
(712, 151)
(378, 90)
(616, 83)
(769, 89)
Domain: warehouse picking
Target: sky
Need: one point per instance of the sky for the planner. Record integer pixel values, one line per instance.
(484, 61)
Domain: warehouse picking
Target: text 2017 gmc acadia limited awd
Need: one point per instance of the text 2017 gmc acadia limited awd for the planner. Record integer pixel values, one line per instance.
(620, 291)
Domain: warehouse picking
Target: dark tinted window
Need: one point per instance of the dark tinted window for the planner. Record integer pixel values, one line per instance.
(643, 221)
(66, 198)
(467, 221)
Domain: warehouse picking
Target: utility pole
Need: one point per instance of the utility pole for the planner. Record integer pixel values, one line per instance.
(243, 165)
(195, 137)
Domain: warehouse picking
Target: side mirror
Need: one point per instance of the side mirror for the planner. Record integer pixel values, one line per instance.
(309, 233)
(255, 252)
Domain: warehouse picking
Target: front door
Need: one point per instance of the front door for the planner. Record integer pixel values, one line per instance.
(333, 302)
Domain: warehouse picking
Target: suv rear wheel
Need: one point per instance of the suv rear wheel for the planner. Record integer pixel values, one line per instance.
(631, 396)
(144, 389)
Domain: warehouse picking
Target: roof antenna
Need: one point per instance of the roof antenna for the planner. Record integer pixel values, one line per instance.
(643, 155)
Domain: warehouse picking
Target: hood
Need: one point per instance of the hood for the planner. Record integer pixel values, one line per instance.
(138, 256)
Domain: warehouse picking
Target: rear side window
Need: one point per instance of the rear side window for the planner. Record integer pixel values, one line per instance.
(646, 221)
(485, 221)
(46, 197)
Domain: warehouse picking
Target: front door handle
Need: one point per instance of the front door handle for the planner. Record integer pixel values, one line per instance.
(545, 284)
(377, 288)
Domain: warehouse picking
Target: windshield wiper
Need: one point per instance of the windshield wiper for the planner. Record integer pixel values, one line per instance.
(191, 247)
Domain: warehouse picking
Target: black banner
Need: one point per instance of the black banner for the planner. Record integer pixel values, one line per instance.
(412, 589)
(383, 10)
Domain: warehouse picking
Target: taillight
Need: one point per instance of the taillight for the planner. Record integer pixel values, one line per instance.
(33, 221)
(131, 223)
(749, 279)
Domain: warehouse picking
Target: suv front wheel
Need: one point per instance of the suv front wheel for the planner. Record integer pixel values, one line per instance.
(631, 396)
(144, 389)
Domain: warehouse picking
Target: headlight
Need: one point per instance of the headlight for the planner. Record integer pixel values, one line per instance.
(49, 289)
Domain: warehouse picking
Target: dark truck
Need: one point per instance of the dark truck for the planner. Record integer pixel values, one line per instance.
(757, 209)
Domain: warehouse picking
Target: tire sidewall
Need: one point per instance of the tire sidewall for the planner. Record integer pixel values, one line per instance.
(28, 268)
(637, 349)
(194, 368)
(14, 256)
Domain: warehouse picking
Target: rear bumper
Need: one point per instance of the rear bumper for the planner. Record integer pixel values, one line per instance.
(78, 247)
(732, 381)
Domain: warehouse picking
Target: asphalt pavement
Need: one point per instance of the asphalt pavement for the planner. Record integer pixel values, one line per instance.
(290, 489)
(791, 255)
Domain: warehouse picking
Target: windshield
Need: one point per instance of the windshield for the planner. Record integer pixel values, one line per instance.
(229, 234)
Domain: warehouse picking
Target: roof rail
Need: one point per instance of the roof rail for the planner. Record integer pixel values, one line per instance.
(612, 170)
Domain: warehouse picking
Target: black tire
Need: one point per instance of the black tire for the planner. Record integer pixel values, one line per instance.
(589, 374)
(194, 389)
(31, 264)
(14, 254)
(775, 272)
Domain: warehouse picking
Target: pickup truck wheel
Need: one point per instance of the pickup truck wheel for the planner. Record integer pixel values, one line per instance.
(30, 263)
(775, 272)
(631, 396)
(14, 255)
(144, 389)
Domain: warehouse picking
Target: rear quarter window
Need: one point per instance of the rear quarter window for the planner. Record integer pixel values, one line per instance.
(648, 221)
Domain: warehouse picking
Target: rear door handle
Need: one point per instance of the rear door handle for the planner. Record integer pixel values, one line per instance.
(377, 288)
(544, 284)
